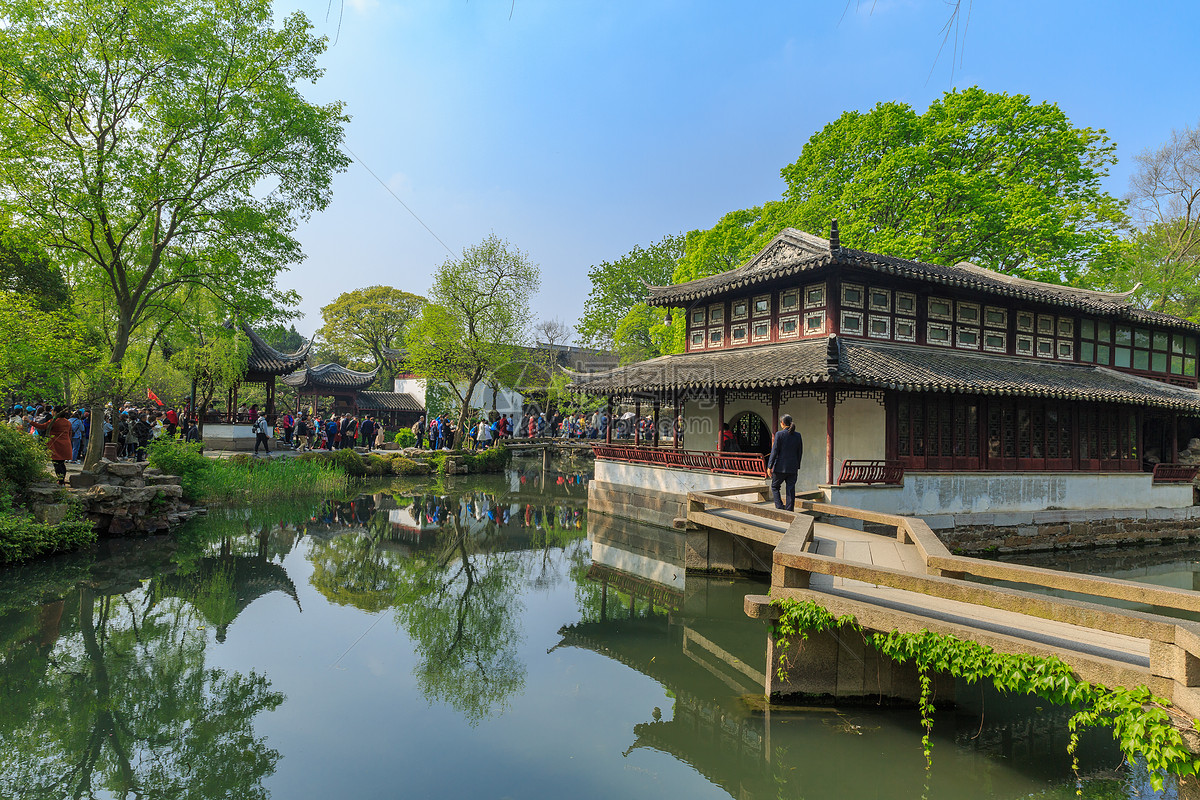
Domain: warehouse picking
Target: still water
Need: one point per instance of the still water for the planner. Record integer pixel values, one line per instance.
(479, 638)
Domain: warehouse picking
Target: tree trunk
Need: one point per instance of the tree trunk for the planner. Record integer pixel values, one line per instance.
(462, 412)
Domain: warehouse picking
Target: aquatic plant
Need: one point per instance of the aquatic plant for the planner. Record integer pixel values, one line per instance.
(1140, 721)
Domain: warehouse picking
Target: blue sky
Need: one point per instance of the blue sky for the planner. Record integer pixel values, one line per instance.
(578, 129)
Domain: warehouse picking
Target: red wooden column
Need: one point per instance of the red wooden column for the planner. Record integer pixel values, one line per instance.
(720, 415)
(830, 403)
(657, 404)
(608, 430)
(774, 412)
(637, 423)
(677, 424)
(1174, 441)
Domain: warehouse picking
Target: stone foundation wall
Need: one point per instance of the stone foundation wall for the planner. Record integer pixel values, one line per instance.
(1061, 530)
(651, 506)
(125, 497)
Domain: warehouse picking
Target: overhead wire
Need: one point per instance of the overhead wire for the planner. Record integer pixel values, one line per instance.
(363, 164)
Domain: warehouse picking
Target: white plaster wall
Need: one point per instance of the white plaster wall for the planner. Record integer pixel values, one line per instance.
(700, 425)
(974, 493)
(859, 432)
(666, 479)
(415, 387)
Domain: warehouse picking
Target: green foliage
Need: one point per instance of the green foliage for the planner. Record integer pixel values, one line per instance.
(377, 466)
(1139, 720)
(494, 459)
(197, 156)
(25, 269)
(405, 438)
(271, 479)
(177, 457)
(39, 346)
(618, 286)
(349, 462)
(361, 325)
(986, 177)
(22, 537)
(23, 460)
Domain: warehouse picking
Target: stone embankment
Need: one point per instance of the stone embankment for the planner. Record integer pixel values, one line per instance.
(118, 497)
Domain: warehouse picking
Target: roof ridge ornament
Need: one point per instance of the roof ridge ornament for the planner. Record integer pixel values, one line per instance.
(835, 240)
(832, 354)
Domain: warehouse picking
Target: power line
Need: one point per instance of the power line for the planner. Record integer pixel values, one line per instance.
(401, 202)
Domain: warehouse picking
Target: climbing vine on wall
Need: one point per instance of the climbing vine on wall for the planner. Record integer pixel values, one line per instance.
(1139, 720)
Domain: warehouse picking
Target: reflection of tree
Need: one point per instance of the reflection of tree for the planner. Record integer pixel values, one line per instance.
(110, 694)
(461, 609)
(352, 570)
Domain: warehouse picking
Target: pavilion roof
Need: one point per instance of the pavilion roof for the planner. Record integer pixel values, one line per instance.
(388, 401)
(265, 361)
(794, 252)
(330, 376)
(844, 362)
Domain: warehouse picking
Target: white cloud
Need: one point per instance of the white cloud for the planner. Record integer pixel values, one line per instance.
(363, 6)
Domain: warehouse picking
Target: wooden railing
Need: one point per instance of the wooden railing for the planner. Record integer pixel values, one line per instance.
(747, 464)
(890, 473)
(1174, 644)
(1175, 473)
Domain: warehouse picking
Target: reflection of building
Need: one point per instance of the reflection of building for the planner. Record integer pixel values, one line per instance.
(221, 587)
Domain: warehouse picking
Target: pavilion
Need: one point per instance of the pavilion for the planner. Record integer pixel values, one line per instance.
(348, 388)
(264, 365)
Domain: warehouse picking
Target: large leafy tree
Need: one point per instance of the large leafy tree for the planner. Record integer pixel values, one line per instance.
(980, 176)
(154, 147)
(617, 286)
(26, 269)
(477, 314)
(364, 324)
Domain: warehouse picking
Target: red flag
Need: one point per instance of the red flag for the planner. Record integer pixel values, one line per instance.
(151, 395)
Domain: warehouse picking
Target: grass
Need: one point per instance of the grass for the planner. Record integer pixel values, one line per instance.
(22, 537)
(269, 479)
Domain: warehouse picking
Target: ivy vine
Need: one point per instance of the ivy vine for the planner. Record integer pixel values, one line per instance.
(1140, 721)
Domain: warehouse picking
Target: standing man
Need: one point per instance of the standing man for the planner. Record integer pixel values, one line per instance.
(418, 430)
(784, 463)
(260, 434)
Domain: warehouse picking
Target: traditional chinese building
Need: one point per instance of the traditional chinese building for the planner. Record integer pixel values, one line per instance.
(965, 389)
(348, 389)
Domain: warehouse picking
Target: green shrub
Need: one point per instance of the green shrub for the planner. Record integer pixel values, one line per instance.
(23, 460)
(350, 462)
(177, 457)
(377, 466)
(22, 537)
(491, 460)
(406, 466)
(405, 438)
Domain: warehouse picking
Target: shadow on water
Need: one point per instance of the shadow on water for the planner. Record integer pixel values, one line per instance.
(126, 671)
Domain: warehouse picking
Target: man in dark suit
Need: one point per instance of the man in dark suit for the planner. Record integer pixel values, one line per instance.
(784, 463)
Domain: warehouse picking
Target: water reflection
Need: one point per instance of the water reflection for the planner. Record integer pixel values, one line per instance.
(106, 689)
(422, 626)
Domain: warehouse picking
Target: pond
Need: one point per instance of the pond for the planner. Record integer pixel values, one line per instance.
(479, 638)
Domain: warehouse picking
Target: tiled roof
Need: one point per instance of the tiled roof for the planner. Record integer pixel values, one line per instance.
(912, 368)
(330, 376)
(388, 401)
(265, 361)
(793, 252)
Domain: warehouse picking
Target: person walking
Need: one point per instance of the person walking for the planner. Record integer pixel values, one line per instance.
(261, 433)
(378, 435)
(76, 436)
(418, 430)
(57, 431)
(302, 434)
(784, 462)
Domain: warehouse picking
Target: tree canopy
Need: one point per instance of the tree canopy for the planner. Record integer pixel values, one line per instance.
(985, 177)
(155, 147)
(478, 312)
(364, 324)
(617, 286)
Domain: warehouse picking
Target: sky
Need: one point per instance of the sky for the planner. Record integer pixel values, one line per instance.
(577, 129)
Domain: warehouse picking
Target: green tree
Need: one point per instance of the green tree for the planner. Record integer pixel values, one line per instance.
(477, 314)
(364, 324)
(154, 147)
(285, 340)
(617, 286)
(26, 269)
(984, 177)
(38, 346)
(212, 357)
